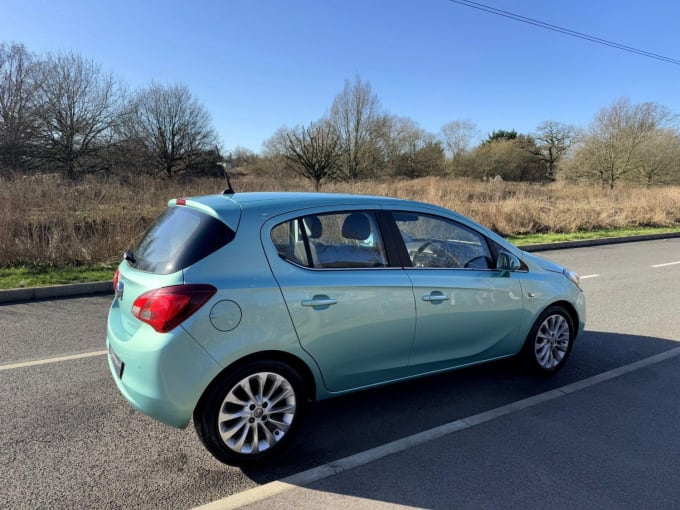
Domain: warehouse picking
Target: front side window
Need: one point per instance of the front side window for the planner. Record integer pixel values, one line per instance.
(434, 242)
(338, 240)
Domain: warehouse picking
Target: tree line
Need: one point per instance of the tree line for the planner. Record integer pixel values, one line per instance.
(359, 139)
(63, 113)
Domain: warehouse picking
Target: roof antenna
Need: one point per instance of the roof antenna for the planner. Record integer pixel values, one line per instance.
(226, 165)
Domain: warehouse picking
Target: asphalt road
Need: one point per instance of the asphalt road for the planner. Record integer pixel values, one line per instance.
(69, 440)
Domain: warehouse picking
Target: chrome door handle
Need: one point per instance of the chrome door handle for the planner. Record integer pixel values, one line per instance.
(435, 298)
(319, 302)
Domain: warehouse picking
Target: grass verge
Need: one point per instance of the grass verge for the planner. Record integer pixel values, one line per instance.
(43, 276)
(524, 240)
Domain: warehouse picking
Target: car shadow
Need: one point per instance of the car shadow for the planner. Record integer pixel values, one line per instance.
(343, 426)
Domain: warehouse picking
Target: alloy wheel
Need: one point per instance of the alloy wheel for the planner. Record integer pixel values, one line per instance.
(552, 341)
(257, 413)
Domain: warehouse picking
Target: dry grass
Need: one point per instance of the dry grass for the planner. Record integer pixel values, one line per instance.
(48, 220)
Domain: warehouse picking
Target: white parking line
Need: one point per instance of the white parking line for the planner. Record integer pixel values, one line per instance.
(590, 276)
(336, 467)
(46, 361)
(667, 264)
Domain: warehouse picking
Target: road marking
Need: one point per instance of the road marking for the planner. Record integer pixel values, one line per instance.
(46, 361)
(304, 478)
(667, 264)
(590, 276)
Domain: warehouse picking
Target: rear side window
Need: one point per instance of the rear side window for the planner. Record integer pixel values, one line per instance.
(178, 238)
(345, 240)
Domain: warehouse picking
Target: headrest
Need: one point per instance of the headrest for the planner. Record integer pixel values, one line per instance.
(356, 226)
(313, 226)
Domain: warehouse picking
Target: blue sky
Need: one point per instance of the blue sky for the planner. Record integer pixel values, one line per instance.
(258, 65)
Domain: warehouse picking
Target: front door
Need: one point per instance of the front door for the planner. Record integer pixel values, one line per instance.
(466, 310)
(464, 316)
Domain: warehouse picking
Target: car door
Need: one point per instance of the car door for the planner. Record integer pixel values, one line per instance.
(353, 313)
(466, 310)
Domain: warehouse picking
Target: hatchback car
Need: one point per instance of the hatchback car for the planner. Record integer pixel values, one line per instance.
(239, 309)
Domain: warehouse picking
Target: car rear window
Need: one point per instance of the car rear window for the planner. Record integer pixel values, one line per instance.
(178, 238)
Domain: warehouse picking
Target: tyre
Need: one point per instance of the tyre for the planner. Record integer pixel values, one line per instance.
(550, 341)
(251, 413)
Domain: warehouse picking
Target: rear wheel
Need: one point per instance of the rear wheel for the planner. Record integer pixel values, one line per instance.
(550, 340)
(251, 413)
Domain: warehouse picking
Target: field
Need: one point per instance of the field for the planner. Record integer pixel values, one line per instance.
(49, 221)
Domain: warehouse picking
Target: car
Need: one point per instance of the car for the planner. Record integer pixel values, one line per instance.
(238, 309)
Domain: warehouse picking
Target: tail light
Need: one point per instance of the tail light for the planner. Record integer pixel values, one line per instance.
(165, 308)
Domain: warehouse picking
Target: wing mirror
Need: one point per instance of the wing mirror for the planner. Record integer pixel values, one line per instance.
(507, 262)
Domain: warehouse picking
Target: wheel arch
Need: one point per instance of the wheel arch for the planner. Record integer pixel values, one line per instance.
(281, 356)
(528, 354)
(573, 314)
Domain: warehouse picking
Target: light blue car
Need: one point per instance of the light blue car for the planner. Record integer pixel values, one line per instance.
(238, 309)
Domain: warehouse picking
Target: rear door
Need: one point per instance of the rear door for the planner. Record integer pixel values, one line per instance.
(353, 312)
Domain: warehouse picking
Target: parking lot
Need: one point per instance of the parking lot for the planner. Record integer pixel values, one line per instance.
(70, 440)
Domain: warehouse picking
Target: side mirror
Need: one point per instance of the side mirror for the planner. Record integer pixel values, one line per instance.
(507, 262)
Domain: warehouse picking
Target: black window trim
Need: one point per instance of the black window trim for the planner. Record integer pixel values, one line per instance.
(397, 254)
(395, 247)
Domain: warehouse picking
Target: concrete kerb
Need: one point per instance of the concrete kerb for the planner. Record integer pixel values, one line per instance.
(599, 242)
(55, 291)
(94, 288)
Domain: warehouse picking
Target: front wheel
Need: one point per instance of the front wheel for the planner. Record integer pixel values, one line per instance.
(550, 341)
(252, 413)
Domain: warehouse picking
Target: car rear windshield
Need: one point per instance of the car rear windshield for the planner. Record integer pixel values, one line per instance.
(178, 238)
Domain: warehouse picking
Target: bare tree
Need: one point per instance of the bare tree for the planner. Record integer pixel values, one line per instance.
(242, 156)
(174, 127)
(395, 135)
(355, 114)
(457, 136)
(553, 140)
(618, 133)
(18, 86)
(409, 150)
(658, 161)
(424, 157)
(314, 151)
(275, 145)
(79, 106)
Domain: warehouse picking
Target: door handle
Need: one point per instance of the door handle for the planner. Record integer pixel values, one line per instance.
(435, 298)
(318, 301)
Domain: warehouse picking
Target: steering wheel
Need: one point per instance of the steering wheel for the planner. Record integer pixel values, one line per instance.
(474, 262)
(440, 255)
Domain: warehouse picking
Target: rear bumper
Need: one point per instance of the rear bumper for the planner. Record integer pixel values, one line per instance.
(164, 374)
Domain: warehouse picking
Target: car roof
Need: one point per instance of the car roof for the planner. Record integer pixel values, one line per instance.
(275, 202)
(228, 207)
(307, 199)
